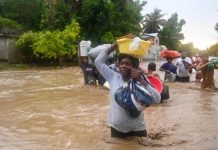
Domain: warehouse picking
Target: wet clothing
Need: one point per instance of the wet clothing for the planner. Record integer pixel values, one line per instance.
(182, 69)
(208, 78)
(170, 67)
(169, 76)
(119, 119)
(88, 74)
(182, 79)
(118, 134)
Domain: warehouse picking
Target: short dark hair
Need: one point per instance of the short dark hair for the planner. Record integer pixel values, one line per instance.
(135, 61)
(152, 66)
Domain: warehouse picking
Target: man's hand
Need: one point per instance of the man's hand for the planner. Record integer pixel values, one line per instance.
(136, 74)
(113, 47)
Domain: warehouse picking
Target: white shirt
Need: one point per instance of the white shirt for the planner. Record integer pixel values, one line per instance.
(181, 70)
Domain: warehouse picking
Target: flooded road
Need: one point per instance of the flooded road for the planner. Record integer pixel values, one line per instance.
(52, 109)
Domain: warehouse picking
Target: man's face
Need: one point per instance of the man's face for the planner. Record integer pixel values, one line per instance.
(183, 55)
(125, 67)
(169, 60)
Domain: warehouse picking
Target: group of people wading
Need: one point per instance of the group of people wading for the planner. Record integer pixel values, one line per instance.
(131, 91)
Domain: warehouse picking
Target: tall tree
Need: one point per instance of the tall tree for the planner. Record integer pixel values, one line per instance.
(153, 22)
(109, 17)
(213, 50)
(216, 27)
(25, 12)
(189, 47)
(171, 35)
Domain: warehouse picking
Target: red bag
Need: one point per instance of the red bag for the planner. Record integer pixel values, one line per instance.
(169, 54)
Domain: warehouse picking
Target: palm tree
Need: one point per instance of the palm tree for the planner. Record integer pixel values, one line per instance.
(216, 27)
(153, 21)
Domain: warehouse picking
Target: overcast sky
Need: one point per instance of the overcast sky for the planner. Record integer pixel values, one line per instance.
(200, 16)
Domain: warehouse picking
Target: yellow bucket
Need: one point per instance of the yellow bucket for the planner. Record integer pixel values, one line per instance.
(124, 45)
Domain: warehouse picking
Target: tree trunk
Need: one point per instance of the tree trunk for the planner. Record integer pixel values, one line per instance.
(60, 62)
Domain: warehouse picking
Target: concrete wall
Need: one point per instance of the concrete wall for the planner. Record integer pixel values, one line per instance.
(3, 49)
(154, 51)
(8, 51)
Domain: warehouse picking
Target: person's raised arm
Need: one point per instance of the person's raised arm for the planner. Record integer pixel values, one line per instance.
(100, 64)
(201, 66)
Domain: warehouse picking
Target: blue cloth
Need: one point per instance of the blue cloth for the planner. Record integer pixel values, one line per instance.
(169, 66)
(133, 91)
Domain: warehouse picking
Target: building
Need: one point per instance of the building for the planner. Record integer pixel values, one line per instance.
(154, 51)
(8, 50)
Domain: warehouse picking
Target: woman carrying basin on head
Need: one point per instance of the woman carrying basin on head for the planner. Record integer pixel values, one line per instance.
(121, 122)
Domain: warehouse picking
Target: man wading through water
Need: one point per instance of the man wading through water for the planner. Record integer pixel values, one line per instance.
(121, 122)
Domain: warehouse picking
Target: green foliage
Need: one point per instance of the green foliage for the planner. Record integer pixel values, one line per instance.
(25, 42)
(153, 21)
(118, 17)
(171, 35)
(70, 36)
(51, 45)
(25, 12)
(107, 38)
(189, 47)
(216, 27)
(48, 44)
(57, 44)
(9, 23)
(213, 50)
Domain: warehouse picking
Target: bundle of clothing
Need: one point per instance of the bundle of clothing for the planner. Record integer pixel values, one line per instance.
(135, 97)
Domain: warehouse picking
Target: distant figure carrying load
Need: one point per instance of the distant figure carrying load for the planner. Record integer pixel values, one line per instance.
(84, 62)
(125, 117)
(207, 69)
(170, 70)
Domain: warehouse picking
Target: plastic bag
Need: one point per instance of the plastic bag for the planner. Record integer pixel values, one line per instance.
(94, 52)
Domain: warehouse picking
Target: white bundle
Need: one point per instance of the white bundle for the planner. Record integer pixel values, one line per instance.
(94, 52)
(135, 44)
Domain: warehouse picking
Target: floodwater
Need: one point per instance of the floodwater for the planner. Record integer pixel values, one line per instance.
(52, 109)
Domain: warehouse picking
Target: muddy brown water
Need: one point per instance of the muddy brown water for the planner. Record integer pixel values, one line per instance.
(52, 109)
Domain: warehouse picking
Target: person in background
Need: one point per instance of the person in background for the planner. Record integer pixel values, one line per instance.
(84, 62)
(121, 122)
(198, 75)
(170, 70)
(193, 63)
(183, 64)
(152, 70)
(207, 70)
